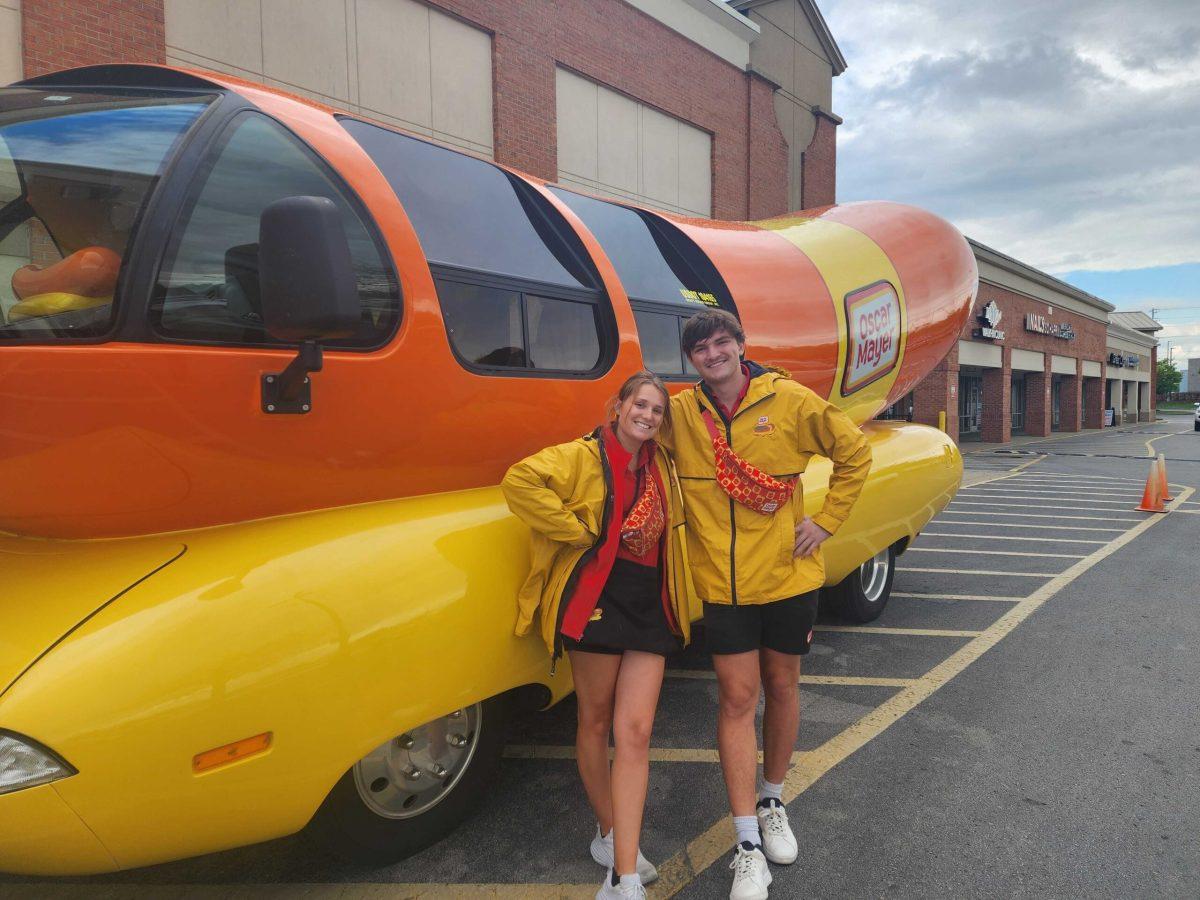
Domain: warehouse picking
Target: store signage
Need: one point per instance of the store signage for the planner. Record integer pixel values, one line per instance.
(1042, 325)
(989, 317)
(873, 335)
(1108, 418)
(1116, 360)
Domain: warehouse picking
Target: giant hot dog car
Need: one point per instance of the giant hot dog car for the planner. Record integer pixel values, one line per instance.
(262, 366)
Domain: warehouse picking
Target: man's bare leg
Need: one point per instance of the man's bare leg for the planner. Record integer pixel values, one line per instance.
(737, 690)
(781, 715)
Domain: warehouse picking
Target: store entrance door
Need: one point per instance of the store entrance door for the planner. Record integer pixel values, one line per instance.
(1055, 401)
(1016, 402)
(970, 407)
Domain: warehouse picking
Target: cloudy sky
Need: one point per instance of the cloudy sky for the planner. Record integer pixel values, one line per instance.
(1065, 133)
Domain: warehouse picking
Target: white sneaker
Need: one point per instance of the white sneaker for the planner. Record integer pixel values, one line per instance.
(618, 891)
(602, 852)
(779, 844)
(751, 877)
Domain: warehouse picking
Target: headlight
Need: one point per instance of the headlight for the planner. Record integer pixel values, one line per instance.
(25, 763)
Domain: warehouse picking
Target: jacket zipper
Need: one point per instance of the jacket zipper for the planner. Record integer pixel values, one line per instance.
(732, 504)
(569, 586)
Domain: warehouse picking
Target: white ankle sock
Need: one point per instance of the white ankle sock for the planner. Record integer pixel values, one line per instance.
(770, 790)
(747, 829)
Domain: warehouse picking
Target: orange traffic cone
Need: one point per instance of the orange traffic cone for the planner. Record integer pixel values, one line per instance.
(1152, 496)
(1165, 488)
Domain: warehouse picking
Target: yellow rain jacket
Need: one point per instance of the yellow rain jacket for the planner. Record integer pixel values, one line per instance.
(738, 555)
(563, 494)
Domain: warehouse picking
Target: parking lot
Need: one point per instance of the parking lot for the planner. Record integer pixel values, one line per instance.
(1051, 524)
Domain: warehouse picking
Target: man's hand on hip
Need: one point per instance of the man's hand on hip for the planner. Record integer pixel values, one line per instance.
(809, 536)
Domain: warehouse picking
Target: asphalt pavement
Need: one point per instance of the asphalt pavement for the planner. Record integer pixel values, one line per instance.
(1022, 721)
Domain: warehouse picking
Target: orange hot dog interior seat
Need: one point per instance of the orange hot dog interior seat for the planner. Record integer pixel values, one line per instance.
(84, 279)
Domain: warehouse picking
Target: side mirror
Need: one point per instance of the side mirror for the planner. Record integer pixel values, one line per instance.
(308, 291)
(305, 273)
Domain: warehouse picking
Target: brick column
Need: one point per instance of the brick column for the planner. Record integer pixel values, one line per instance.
(1037, 401)
(1093, 402)
(1115, 399)
(818, 165)
(997, 401)
(938, 391)
(1070, 400)
(61, 34)
(1154, 383)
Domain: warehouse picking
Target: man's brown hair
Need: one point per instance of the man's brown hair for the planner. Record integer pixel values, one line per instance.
(704, 325)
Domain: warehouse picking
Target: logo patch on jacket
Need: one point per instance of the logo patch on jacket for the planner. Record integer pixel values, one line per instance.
(596, 614)
(763, 425)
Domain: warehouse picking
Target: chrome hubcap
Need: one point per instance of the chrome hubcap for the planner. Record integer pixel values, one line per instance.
(873, 576)
(414, 771)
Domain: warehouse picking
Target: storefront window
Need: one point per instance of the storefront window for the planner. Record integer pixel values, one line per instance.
(970, 405)
(1017, 403)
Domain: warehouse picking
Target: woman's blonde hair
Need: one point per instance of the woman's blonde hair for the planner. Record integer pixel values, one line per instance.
(629, 388)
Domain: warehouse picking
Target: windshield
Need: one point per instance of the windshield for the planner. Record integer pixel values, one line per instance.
(76, 168)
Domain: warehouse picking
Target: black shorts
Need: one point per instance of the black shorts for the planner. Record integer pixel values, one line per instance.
(629, 615)
(784, 626)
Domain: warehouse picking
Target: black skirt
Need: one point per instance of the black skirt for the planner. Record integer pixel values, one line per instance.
(629, 615)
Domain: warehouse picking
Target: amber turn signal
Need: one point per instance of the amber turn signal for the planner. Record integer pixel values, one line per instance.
(230, 753)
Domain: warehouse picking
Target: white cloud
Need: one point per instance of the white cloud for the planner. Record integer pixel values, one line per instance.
(1065, 134)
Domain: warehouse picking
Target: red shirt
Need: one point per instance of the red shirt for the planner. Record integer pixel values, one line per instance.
(729, 413)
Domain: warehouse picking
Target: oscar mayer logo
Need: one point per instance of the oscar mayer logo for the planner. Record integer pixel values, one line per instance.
(873, 330)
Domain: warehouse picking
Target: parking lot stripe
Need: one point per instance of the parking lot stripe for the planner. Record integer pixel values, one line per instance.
(682, 868)
(1024, 525)
(1036, 498)
(914, 632)
(961, 503)
(919, 596)
(1012, 537)
(977, 572)
(971, 512)
(1020, 553)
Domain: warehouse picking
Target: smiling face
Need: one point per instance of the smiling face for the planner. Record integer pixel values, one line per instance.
(718, 358)
(640, 415)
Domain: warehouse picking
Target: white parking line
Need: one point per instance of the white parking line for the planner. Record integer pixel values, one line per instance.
(1039, 506)
(1020, 553)
(968, 512)
(1034, 498)
(1023, 525)
(1010, 537)
(979, 572)
(997, 489)
(917, 595)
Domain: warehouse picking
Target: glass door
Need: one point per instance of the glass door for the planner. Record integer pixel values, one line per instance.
(970, 405)
(1017, 403)
(1055, 399)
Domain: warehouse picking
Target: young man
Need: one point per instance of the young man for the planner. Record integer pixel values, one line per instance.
(757, 571)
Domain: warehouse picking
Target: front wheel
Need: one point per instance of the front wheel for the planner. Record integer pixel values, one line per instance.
(862, 595)
(414, 789)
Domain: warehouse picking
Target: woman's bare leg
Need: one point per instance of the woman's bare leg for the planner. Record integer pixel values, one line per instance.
(595, 690)
(638, 684)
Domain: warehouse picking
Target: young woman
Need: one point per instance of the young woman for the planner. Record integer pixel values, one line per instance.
(611, 579)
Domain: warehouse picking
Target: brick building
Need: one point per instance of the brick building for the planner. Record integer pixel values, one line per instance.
(694, 106)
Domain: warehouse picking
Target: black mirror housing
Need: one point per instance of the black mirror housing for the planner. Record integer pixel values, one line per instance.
(306, 276)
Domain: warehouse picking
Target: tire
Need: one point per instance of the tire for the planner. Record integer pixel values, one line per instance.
(862, 595)
(1196, 426)
(395, 802)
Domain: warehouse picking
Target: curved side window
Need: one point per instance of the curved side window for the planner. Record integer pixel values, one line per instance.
(668, 279)
(517, 288)
(207, 290)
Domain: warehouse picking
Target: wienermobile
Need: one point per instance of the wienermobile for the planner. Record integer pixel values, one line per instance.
(262, 366)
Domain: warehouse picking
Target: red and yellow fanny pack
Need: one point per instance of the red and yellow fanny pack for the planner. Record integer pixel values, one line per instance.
(644, 525)
(743, 482)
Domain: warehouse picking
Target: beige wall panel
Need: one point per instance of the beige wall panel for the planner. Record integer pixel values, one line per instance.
(577, 119)
(1028, 361)
(394, 72)
(806, 35)
(225, 31)
(814, 78)
(618, 162)
(1091, 369)
(782, 14)
(660, 156)
(304, 44)
(1062, 365)
(989, 356)
(708, 23)
(774, 55)
(695, 170)
(462, 81)
(10, 41)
